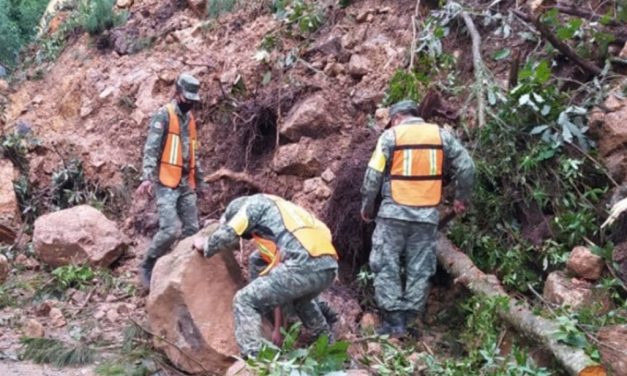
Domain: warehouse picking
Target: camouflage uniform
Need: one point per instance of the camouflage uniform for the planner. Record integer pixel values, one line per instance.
(405, 233)
(298, 278)
(175, 205)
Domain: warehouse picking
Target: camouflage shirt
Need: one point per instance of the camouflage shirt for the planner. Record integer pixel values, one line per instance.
(377, 178)
(261, 215)
(156, 141)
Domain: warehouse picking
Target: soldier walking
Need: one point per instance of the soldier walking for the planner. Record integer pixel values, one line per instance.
(299, 261)
(171, 171)
(407, 167)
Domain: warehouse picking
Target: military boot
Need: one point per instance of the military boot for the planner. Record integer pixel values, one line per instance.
(410, 323)
(393, 324)
(145, 271)
(329, 314)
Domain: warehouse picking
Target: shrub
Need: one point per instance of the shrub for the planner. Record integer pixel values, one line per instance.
(97, 16)
(18, 22)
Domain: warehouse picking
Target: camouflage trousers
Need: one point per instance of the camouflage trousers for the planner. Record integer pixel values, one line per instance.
(176, 207)
(298, 284)
(402, 251)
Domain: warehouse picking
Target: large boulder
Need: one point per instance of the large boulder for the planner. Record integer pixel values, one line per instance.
(585, 264)
(81, 234)
(576, 293)
(297, 159)
(191, 305)
(308, 118)
(612, 346)
(9, 209)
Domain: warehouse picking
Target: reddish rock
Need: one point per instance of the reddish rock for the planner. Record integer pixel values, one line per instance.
(610, 127)
(33, 328)
(358, 66)
(297, 159)
(585, 264)
(9, 209)
(5, 269)
(369, 321)
(613, 348)
(573, 292)
(81, 234)
(308, 118)
(191, 304)
(57, 319)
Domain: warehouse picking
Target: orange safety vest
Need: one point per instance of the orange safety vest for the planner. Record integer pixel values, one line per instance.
(171, 169)
(312, 234)
(416, 169)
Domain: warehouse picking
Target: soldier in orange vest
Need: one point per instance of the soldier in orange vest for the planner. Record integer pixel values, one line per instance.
(171, 170)
(295, 256)
(407, 167)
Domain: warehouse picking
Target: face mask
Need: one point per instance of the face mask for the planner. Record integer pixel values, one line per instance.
(185, 106)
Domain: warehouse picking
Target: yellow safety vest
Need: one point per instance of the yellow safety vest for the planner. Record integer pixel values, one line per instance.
(312, 234)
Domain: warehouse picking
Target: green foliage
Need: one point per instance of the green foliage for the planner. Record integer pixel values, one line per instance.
(70, 188)
(405, 85)
(18, 22)
(319, 358)
(6, 298)
(56, 352)
(585, 36)
(136, 358)
(96, 16)
(393, 359)
(305, 16)
(217, 7)
(533, 159)
(481, 338)
(73, 276)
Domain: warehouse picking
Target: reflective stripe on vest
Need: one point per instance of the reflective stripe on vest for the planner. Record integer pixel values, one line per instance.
(171, 168)
(416, 168)
(312, 234)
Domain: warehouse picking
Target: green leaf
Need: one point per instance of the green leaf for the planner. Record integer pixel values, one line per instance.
(542, 72)
(501, 54)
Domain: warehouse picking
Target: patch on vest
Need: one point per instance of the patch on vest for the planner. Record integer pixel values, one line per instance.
(157, 125)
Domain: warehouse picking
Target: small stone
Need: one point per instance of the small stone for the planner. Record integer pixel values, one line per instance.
(38, 99)
(382, 116)
(112, 315)
(43, 309)
(106, 92)
(374, 349)
(169, 39)
(328, 176)
(79, 297)
(585, 264)
(57, 319)
(368, 321)
(358, 66)
(33, 328)
(4, 86)
(384, 10)
(363, 16)
(369, 17)
(5, 269)
(125, 309)
(123, 4)
(100, 314)
(86, 110)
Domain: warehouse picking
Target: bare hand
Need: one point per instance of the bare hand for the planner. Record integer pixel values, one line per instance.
(145, 188)
(277, 338)
(459, 207)
(199, 244)
(365, 218)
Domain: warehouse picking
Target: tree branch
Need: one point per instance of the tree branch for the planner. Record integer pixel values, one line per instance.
(478, 66)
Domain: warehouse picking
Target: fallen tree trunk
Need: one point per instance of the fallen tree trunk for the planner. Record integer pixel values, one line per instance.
(575, 361)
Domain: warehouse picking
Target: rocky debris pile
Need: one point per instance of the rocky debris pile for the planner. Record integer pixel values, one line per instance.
(191, 306)
(575, 286)
(81, 234)
(9, 208)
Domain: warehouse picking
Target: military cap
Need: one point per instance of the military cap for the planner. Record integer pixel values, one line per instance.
(189, 86)
(406, 105)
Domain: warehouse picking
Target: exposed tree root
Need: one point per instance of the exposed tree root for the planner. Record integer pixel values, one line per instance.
(242, 177)
(575, 361)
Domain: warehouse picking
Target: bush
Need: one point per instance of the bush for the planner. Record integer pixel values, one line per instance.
(97, 16)
(18, 24)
